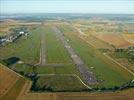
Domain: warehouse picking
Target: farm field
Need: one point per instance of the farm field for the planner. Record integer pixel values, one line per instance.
(10, 80)
(104, 69)
(11, 84)
(129, 37)
(123, 95)
(114, 39)
(97, 42)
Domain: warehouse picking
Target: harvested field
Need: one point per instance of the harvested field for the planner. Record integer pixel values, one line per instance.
(96, 96)
(129, 37)
(113, 39)
(8, 22)
(6, 76)
(11, 83)
(122, 95)
(13, 93)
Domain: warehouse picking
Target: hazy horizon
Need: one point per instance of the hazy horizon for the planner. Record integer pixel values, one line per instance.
(64, 6)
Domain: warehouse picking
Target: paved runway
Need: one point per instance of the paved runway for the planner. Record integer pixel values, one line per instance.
(87, 75)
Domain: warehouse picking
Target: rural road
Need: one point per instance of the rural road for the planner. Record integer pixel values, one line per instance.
(87, 75)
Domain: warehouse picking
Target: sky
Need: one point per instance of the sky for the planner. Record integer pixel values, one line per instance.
(67, 6)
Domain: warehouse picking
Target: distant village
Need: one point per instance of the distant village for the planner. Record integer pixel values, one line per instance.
(15, 33)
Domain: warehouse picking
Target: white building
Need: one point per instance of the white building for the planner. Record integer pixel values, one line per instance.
(21, 32)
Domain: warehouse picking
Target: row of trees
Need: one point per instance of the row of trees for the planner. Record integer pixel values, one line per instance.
(128, 85)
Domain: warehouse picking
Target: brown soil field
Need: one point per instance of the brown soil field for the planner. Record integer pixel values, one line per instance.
(129, 37)
(10, 83)
(123, 95)
(114, 39)
(97, 42)
(17, 22)
(14, 91)
(7, 80)
(8, 22)
(4, 29)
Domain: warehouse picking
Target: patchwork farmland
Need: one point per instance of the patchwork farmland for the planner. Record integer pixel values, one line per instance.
(14, 83)
(56, 58)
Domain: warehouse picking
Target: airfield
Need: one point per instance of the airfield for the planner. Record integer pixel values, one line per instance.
(60, 61)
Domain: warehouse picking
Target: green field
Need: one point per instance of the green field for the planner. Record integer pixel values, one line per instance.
(56, 54)
(55, 51)
(59, 83)
(108, 73)
(26, 48)
(105, 70)
(22, 68)
(66, 69)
